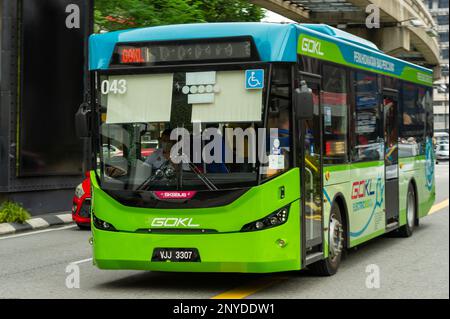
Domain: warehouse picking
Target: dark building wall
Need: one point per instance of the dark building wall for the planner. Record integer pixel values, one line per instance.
(42, 66)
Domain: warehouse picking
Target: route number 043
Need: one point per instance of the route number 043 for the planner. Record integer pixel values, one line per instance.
(114, 86)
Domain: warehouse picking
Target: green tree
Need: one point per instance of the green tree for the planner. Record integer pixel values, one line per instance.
(229, 11)
(123, 14)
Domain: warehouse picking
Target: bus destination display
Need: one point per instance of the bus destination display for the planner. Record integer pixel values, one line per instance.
(152, 54)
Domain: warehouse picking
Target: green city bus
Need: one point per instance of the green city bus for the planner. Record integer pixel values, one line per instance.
(345, 151)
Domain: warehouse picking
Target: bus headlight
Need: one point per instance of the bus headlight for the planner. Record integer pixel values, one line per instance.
(275, 219)
(101, 224)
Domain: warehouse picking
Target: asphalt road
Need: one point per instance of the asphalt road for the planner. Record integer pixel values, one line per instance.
(34, 265)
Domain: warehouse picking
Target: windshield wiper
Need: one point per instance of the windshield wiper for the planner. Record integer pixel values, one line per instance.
(159, 173)
(200, 174)
(192, 166)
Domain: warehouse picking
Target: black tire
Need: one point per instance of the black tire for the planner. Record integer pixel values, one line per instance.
(408, 229)
(330, 266)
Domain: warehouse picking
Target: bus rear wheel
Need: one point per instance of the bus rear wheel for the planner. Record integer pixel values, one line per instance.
(411, 214)
(336, 240)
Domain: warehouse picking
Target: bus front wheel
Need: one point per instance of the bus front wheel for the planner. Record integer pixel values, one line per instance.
(336, 240)
(411, 214)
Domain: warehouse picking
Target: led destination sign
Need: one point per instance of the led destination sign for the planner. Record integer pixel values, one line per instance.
(148, 54)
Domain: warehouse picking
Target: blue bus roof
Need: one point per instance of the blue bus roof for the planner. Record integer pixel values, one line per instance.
(275, 42)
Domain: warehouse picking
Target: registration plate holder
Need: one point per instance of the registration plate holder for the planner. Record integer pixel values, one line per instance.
(175, 255)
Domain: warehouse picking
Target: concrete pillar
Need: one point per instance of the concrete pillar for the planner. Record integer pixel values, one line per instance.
(437, 72)
(393, 40)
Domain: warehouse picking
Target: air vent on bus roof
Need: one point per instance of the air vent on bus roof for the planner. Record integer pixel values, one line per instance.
(337, 33)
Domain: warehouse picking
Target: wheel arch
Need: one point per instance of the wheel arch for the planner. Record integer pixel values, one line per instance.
(413, 183)
(339, 199)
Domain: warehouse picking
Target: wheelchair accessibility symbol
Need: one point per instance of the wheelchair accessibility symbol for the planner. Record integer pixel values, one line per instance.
(254, 79)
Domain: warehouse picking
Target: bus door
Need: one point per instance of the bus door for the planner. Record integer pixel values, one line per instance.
(310, 145)
(390, 111)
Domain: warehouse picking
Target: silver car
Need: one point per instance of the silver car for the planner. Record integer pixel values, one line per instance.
(442, 152)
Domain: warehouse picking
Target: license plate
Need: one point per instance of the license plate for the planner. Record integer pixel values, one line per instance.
(176, 254)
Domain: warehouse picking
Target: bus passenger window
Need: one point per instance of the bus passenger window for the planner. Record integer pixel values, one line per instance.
(334, 106)
(412, 120)
(367, 123)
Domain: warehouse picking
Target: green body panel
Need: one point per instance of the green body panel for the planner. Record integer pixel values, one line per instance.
(415, 169)
(229, 250)
(330, 51)
(364, 238)
(365, 220)
(366, 212)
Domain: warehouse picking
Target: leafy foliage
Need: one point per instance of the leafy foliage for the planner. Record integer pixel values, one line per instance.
(124, 14)
(11, 212)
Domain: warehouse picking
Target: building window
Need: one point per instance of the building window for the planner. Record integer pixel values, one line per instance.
(443, 4)
(443, 36)
(367, 139)
(429, 110)
(444, 54)
(442, 20)
(334, 106)
(440, 118)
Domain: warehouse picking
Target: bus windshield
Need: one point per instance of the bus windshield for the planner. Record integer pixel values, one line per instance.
(182, 130)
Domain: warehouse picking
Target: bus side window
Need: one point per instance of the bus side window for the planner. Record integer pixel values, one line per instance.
(278, 141)
(412, 120)
(335, 118)
(368, 143)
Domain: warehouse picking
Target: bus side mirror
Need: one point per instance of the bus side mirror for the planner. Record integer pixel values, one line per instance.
(303, 103)
(82, 121)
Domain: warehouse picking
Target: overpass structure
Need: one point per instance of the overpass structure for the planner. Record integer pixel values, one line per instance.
(407, 29)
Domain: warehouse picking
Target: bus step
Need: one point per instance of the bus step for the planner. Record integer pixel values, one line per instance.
(312, 258)
(392, 226)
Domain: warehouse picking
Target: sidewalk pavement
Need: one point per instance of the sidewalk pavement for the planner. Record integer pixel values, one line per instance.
(37, 222)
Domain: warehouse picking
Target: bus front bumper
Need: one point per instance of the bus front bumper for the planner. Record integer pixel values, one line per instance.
(255, 252)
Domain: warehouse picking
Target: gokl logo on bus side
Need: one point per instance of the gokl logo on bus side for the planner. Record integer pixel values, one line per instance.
(311, 46)
(362, 189)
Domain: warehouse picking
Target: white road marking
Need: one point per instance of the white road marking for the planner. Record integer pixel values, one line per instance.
(81, 261)
(37, 223)
(38, 232)
(6, 228)
(67, 218)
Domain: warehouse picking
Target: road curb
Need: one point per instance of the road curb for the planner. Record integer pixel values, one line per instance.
(38, 222)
